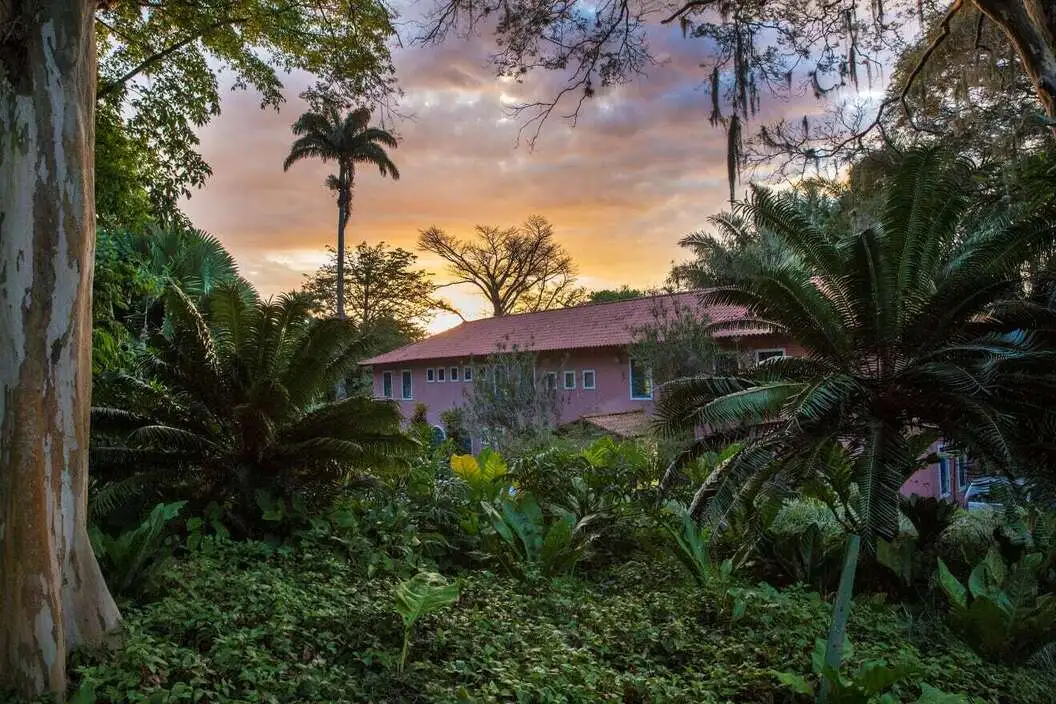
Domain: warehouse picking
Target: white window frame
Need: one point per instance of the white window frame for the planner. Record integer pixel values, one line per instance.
(630, 382)
(467, 374)
(593, 375)
(441, 375)
(430, 376)
(452, 374)
(386, 376)
(766, 351)
(410, 375)
(962, 472)
(944, 471)
(565, 376)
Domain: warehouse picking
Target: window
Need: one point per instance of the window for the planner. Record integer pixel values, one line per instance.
(454, 373)
(386, 384)
(944, 476)
(467, 373)
(589, 380)
(570, 379)
(440, 374)
(438, 435)
(763, 355)
(405, 386)
(962, 472)
(430, 375)
(641, 381)
(550, 381)
(725, 363)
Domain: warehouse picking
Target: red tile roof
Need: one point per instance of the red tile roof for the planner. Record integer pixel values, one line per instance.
(630, 424)
(591, 325)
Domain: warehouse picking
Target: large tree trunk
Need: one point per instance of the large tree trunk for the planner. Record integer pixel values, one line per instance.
(1031, 27)
(52, 595)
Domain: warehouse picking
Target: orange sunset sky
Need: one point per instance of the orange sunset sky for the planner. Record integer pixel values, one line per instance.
(642, 169)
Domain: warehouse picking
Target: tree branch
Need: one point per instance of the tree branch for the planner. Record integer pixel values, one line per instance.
(689, 6)
(112, 86)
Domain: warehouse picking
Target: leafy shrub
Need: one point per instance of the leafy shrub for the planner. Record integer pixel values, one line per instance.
(1000, 612)
(967, 540)
(530, 543)
(870, 682)
(232, 400)
(132, 561)
(930, 517)
(799, 543)
(485, 474)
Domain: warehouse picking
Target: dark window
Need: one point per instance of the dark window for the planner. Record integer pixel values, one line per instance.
(454, 373)
(467, 374)
(386, 384)
(641, 380)
(570, 379)
(408, 391)
(440, 374)
(550, 381)
(430, 375)
(763, 355)
(589, 379)
(726, 363)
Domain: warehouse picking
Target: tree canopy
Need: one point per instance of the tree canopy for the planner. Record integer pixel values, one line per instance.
(161, 65)
(518, 269)
(750, 48)
(382, 288)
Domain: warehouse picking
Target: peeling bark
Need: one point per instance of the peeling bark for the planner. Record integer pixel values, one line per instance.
(1031, 27)
(52, 594)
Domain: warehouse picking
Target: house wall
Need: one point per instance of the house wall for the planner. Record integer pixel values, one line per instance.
(611, 366)
(611, 395)
(928, 482)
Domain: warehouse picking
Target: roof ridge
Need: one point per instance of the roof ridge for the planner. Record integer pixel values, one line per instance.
(588, 304)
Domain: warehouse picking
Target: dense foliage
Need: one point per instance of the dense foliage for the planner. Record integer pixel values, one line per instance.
(250, 622)
(385, 295)
(231, 407)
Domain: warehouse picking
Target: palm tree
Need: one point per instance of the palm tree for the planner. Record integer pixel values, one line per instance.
(236, 403)
(906, 342)
(348, 141)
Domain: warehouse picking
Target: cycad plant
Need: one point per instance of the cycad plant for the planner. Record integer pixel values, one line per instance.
(904, 343)
(348, 140)
(236, 404)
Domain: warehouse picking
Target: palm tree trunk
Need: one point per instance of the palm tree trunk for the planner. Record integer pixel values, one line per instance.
(342, 220)
(52, 594)
(840, 613)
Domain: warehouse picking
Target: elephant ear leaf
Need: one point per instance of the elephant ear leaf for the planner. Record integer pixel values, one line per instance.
(796, 682)
(954, 590)
(423, 594)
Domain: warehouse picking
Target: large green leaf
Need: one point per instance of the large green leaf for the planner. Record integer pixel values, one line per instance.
(951, 586)
(423, 594)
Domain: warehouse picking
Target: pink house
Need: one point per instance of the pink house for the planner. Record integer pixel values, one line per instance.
(581, 353)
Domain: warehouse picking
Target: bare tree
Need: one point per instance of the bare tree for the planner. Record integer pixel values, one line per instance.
(750, 46)
(518, 269)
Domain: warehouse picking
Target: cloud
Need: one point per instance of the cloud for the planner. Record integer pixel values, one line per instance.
(640, 170)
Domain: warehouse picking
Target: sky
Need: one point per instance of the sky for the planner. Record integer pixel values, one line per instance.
(641, 169)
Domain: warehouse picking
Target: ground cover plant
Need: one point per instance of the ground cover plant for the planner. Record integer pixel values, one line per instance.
(249, 622)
